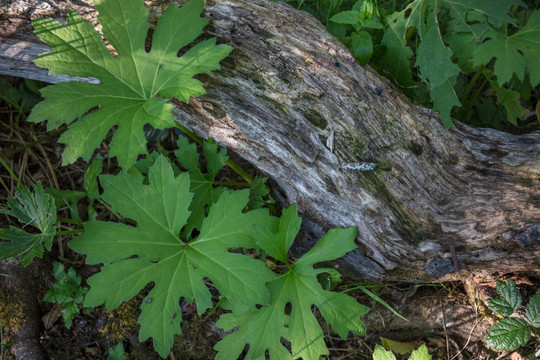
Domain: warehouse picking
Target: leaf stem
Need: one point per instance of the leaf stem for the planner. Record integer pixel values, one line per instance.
(70, 221)
(67, 232)
(231, 183)
(472, 83)
(118, 216)
(473, 99)
(10, 171)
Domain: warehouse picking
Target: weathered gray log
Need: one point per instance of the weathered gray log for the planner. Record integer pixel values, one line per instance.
(438, 199)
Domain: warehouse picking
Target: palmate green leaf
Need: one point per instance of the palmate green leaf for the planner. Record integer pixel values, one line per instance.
(398, 54)
(263, 328)
(434, 57)
(509, 334)
(153, 252)
(202, 185)
(438, 71)
(510, 99)
(37, 209)
(533, 310)
(516, 54)
(509, 300)
(129, 82)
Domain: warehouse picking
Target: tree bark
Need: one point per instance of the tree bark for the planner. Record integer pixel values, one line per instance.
(290, 99)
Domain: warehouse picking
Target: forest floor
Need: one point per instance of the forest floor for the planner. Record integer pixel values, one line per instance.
(451, 318)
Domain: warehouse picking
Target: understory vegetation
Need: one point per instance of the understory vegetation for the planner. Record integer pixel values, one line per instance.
(133, 213)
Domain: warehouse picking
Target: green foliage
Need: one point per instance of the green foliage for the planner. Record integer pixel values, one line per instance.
(67, 290)
(516, 54)
(509, 334)
(419, 354)
(362, 16)
(36, 209)
(153, 251)
(22, 97)
(117, 352)
(202, 184)
(441, 52)
(181, 231)
(71, 198)
(264, 328)
(514, 332)
(509, 301)
(129, 82)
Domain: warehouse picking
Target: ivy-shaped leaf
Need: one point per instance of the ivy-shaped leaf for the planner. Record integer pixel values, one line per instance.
(509, 334)
(153, 251)
(516, 54)
(37, 209)
(533, 310)
(264, 328)
(509, 300)
(129, 82)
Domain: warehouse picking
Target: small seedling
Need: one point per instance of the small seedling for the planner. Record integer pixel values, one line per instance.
(67, 290)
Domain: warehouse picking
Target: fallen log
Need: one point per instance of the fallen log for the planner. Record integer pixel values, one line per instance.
(440, 204)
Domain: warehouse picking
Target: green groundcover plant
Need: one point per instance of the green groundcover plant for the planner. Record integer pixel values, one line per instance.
(179, 232)
(510, 333)
(67, 291)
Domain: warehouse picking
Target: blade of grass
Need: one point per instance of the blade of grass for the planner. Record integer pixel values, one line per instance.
(377, 299)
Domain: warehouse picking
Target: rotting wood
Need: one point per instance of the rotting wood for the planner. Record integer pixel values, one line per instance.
(289, 85)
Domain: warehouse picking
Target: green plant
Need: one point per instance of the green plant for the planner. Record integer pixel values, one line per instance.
(264, 328)
(471, 60)
(129, 83)
(117, 352)
(35, 208)
(159, 250)
(510, 333)
(419, 354)
(179, 230)
(71, 198)
(67, 290)
(364, 15)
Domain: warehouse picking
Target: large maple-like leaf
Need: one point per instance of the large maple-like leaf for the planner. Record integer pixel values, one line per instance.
(153, 252)
(516, 54)
(36, 209)
(129, 82)
(263, 328)
(434, 57)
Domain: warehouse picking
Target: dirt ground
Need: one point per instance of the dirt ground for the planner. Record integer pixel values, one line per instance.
(451, 318)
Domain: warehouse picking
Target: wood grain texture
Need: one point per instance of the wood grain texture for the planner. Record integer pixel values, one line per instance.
(289, 85)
